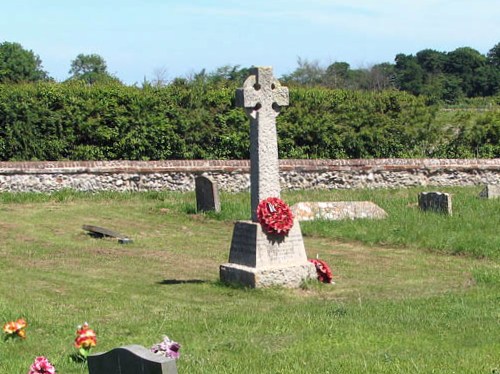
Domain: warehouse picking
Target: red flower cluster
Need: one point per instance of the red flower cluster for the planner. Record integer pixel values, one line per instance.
(16, 328)
(86, 338)
(275, 216)
(323, 270)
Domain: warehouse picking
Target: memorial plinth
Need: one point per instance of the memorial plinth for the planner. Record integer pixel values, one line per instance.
(257, 259)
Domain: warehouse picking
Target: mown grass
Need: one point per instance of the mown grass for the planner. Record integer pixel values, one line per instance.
(398, 305)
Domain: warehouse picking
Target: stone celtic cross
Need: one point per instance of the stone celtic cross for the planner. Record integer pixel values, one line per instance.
(262, 97)
(257, 259)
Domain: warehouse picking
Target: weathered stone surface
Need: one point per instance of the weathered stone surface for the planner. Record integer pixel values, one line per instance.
(490, 191)
(436, 202)
(291, 276)
(131, 359)
(207, 194)
(337, 210)
(256, 258)
(262, 97)
(251, 246)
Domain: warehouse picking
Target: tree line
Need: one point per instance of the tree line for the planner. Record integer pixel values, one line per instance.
(334, 112)
(443, 77)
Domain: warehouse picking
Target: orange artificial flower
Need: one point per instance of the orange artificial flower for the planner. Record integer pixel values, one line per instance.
(16, 328)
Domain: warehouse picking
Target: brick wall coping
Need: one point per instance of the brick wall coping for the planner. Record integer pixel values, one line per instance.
(199, 166)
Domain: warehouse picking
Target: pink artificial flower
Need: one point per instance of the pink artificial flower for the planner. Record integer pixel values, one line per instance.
(42, 366)
(167, 348)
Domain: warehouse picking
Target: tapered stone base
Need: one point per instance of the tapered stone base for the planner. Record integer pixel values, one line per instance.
(257, 259)
(283, 276)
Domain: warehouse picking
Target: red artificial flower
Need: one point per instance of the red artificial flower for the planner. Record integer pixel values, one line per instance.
(16, 328)
(323, 270)
(86, 338)
(275, 216)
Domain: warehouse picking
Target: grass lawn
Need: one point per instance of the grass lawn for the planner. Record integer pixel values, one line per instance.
(414, 293)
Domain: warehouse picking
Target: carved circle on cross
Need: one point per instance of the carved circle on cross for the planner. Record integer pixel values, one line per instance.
(262, 93)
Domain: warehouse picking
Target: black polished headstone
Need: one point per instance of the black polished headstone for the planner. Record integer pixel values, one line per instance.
(131, 359)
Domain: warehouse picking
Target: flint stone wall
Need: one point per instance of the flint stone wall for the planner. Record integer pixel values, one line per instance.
(233, 176)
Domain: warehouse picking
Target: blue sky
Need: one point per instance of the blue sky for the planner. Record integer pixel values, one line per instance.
(140, 39)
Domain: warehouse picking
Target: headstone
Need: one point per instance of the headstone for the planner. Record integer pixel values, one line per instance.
(101, 231)
(258, 259)
(207, 194)
(337, 210)
(490, 191)
(435, 201)
(131, 359)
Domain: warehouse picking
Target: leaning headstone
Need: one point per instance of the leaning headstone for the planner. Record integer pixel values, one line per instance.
(131, 359)
(101, 232)
(337, 210)
(490, 191)
(207, 194)
(256, 258)
(435, 201)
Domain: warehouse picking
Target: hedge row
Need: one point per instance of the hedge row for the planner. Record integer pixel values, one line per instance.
(186, 120)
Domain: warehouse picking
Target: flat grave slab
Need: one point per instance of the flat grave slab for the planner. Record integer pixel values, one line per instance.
(337, 210)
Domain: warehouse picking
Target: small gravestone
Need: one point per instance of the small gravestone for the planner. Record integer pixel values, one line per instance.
(490, 191)
(101, 232)
(131, 359)
(257, 259)
(337, 210)
(207, 194)
(435, 201)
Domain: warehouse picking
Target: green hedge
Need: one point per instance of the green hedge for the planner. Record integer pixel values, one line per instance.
(185, 120)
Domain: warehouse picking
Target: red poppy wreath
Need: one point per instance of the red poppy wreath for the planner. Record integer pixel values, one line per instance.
(323, 270)
(275, 216)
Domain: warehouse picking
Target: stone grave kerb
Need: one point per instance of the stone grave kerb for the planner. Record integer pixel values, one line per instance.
(262, 97)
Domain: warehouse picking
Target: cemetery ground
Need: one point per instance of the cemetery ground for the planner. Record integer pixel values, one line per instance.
(414, 293)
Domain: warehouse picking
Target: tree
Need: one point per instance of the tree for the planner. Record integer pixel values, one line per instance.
(231, 73)
(409, 74)
(19, 65)
(464, 63)
(494, 56)
(486, 81)
(307, 73)
(431, 61)
(382, 76)
(337, 75)
(91, 69)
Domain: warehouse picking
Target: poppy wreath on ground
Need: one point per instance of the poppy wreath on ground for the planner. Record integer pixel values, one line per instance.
(275, 216)
(323, 270)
